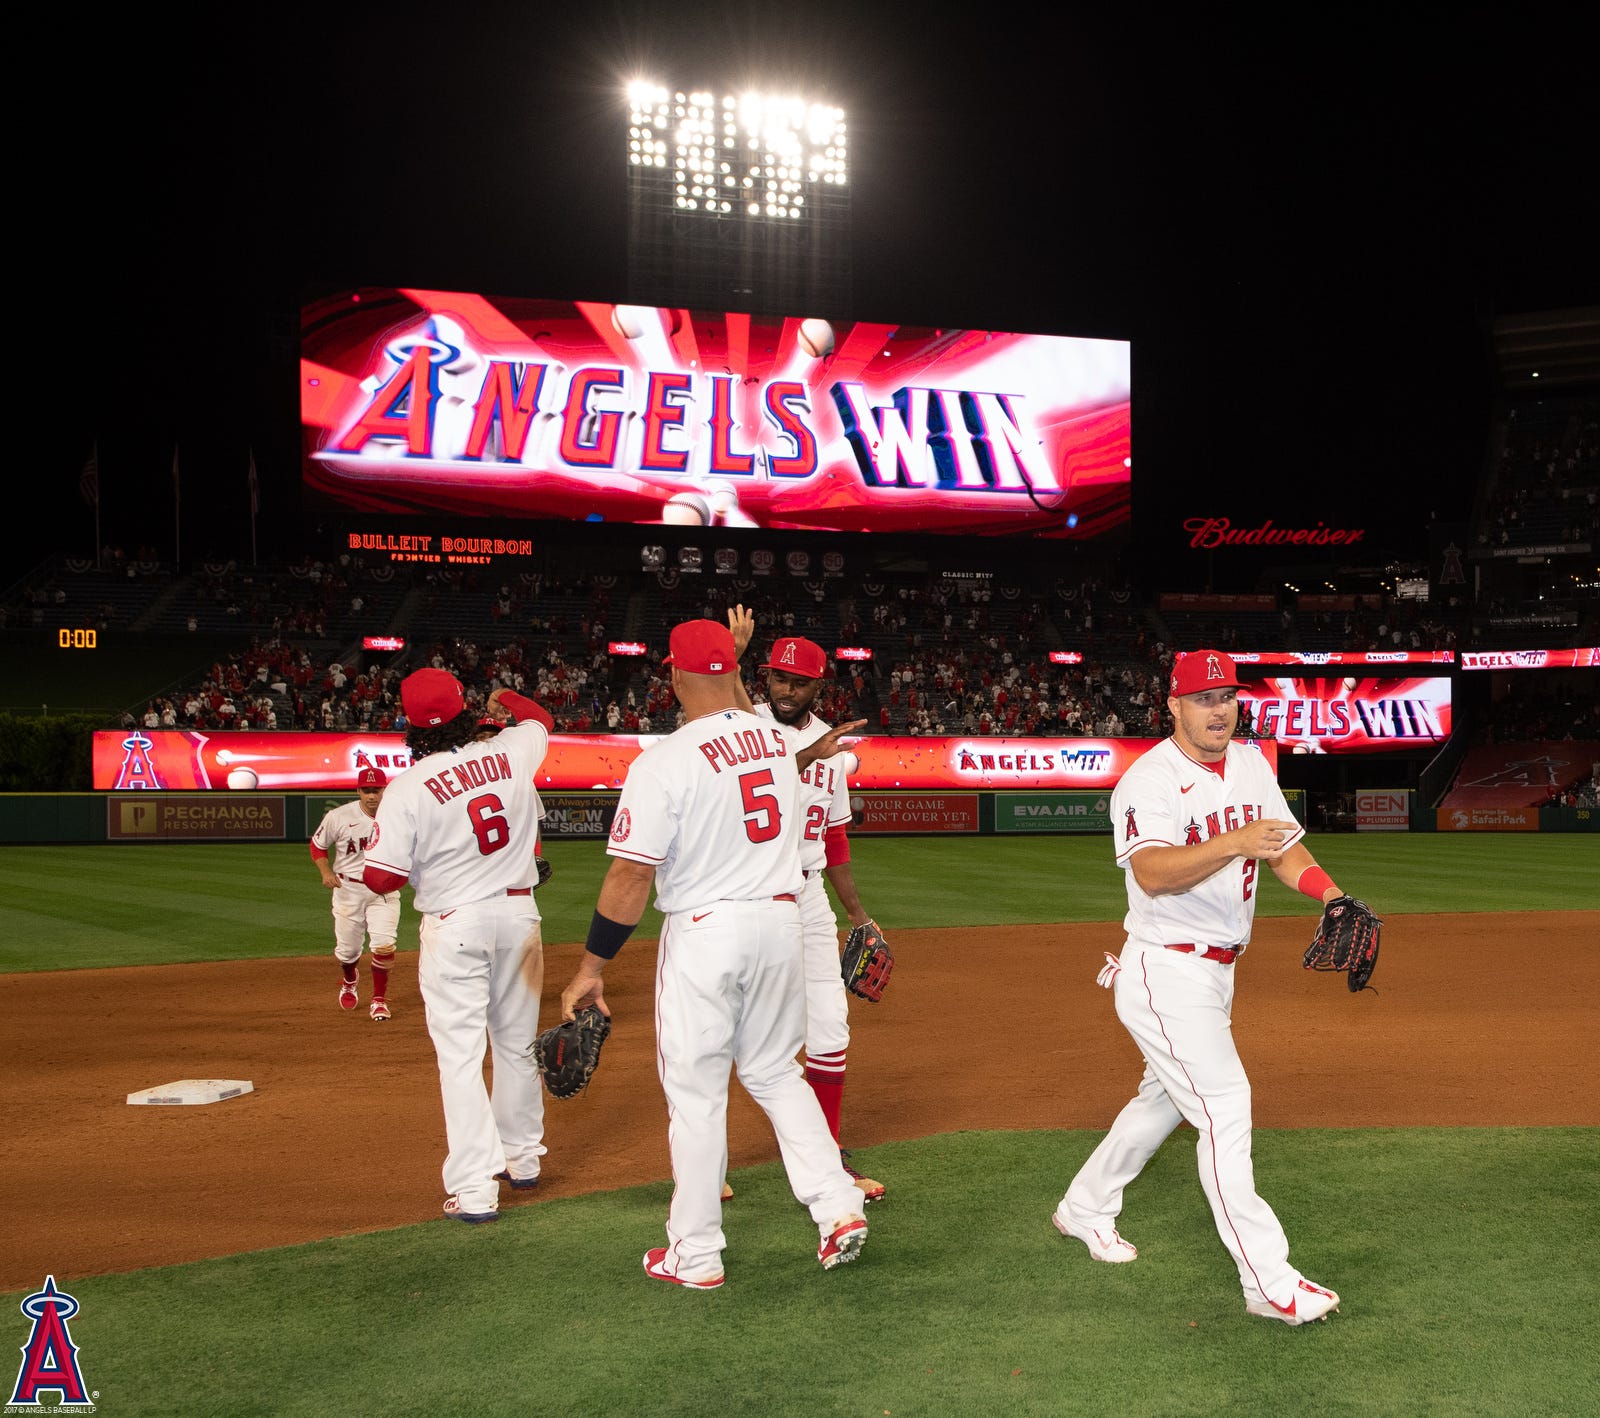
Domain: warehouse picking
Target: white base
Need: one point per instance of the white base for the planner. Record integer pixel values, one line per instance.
(193, 1090)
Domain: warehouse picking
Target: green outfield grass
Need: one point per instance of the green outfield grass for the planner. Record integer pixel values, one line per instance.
(1463, 1257)
(80, 907)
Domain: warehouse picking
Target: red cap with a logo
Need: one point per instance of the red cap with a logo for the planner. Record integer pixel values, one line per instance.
(371, 778)
(702, 647)
(797, 656)
(431, 697)
(1201, 670)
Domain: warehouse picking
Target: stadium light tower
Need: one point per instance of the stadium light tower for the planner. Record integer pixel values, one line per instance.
(737, 201)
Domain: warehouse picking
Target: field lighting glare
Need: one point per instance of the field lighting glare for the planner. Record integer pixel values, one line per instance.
(779, 144)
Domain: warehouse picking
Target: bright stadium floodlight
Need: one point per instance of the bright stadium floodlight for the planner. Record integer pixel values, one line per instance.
(780, 144)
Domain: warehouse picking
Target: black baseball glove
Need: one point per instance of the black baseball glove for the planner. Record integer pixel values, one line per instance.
(545, 870)
(568, 1053)
(1346, 940)
(866, 962)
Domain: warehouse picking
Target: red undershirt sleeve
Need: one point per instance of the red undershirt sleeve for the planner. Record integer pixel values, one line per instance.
(837, 843)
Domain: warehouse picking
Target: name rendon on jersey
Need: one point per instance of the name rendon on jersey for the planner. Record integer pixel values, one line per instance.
(474, 773)
(746, 746)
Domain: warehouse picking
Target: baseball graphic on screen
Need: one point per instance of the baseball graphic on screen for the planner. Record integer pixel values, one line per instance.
(631, 321)
(242, 779)
(687, 509)
(816, 337)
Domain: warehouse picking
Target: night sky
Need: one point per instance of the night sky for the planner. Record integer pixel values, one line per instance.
(1305, 233)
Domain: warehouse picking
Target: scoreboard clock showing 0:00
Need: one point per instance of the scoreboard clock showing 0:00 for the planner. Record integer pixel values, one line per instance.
(78, 638)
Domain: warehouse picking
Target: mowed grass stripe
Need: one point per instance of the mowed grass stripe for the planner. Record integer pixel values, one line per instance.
(1460, 1254)
(69, 906)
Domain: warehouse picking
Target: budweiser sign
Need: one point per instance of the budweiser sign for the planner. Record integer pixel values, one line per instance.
(1209, 532)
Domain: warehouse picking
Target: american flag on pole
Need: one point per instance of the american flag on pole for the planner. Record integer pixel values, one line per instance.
(89, 478)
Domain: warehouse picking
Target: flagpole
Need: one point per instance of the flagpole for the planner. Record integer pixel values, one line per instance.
(177, 515)
(255, 505)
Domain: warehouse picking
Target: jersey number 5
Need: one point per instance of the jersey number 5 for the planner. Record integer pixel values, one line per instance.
(762, 821)
(492, 830)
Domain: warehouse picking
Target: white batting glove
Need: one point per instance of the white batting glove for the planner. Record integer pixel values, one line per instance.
(1108, 973)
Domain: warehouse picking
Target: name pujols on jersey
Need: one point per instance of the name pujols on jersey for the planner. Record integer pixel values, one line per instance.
(746, 746)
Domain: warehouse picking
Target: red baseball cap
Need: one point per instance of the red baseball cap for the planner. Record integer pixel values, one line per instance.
(371, 778)
(795, 655)
(431, 697)
(1201, 670)
(702, 647)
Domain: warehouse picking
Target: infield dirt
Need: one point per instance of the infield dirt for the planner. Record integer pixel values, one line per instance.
(1478, 1020)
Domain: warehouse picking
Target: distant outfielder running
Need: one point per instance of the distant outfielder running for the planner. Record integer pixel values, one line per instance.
(339, 850)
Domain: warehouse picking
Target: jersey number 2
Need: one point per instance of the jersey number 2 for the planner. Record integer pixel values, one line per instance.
(492, 831)
(1249, 876)
(762, 806)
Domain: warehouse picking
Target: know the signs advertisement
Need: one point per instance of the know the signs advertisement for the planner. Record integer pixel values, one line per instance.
(577, 814)
(1052, 812)
(1383, 810)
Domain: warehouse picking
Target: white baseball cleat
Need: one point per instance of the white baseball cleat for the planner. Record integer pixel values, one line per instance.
(1104, 1244)
(1309, 1302)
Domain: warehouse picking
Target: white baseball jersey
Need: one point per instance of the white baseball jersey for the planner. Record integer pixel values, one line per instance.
(345, 834)
(715, 808)
(462, 824)
(1168, 799)
(824, 793)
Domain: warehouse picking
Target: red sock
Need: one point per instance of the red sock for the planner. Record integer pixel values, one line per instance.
(380, 983)
(825, 1074)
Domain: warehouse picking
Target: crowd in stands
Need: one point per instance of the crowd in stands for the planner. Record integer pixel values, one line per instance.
(1546, 487)
(1531, 711)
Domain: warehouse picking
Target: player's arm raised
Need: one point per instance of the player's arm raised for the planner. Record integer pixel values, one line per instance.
(1164, 871)
(742, 625)
(829, 744)
(623, 896)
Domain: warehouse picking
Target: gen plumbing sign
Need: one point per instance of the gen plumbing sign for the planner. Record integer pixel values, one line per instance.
(1383, 810)
(1052, 812)
(194, 817)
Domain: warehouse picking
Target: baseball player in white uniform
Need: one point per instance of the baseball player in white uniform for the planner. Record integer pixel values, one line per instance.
(1193, 819)
(339, 848)
(713, 814)
(795, 669)
(461, 824)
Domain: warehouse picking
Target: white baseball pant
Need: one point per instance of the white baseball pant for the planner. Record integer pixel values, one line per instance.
(730, 993)
(481, 968)
(1178, 1008)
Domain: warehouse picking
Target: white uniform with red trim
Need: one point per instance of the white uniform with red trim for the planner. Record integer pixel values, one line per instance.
(1178, 1003)
(715, 807)
(358, 914)
(825, 804)
(462, 826)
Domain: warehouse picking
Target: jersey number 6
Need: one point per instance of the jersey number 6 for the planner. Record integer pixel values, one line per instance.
(763, 806)
(492, 831)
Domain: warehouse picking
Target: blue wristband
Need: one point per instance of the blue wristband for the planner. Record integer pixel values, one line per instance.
(606, 937)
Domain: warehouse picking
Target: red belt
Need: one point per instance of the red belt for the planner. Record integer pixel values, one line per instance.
(519, 891)
(1223, 955)
(784, 896)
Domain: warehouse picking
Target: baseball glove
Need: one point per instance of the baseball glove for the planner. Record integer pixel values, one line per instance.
(545, 870)
(568, 1053)
(866, 962)
(1346, 940)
